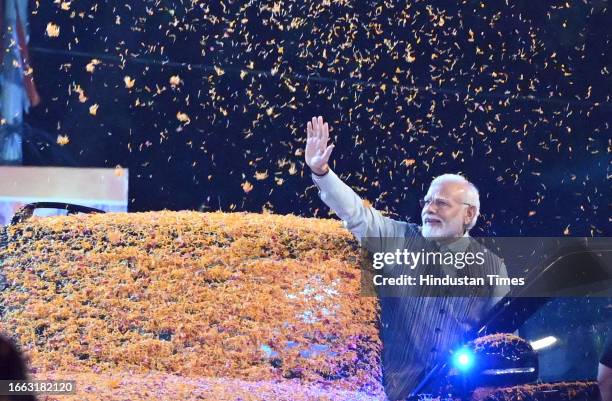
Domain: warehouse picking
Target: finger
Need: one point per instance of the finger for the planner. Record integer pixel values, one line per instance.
(325, 133)
(319, 129)
(322, 132)
(309, 129)
(315, 127)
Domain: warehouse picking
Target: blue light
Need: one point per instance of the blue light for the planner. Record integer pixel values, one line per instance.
(463, 359)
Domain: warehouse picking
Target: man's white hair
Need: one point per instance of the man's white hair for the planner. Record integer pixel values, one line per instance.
(472, 196)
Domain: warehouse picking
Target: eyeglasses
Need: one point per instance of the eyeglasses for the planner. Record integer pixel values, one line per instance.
(438, 203)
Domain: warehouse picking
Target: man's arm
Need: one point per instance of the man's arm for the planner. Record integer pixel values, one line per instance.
(363, 221)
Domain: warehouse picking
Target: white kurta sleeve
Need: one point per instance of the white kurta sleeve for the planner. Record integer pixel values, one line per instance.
(363, 221)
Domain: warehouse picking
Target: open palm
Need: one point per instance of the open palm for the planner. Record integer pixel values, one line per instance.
(317, 151)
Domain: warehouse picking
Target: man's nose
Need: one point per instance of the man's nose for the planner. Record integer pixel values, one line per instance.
(429, 208)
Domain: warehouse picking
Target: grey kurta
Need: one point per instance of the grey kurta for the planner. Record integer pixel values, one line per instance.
(417, 330)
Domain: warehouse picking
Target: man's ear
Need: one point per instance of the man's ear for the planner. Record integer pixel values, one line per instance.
(469, 215)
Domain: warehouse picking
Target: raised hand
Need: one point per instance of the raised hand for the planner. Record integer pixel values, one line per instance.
(317, 151)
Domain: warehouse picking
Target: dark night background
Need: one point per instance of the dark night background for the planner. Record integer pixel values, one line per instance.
(513, 94)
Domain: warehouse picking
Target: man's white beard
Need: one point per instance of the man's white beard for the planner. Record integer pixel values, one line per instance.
(444, 230)
(432, 232)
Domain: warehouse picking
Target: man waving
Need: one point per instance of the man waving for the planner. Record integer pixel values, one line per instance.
(417, 331)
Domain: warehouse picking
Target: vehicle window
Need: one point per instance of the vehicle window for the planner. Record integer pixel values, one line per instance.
(572, 333)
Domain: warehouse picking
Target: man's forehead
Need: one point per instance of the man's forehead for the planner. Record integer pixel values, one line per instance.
(446, 189)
